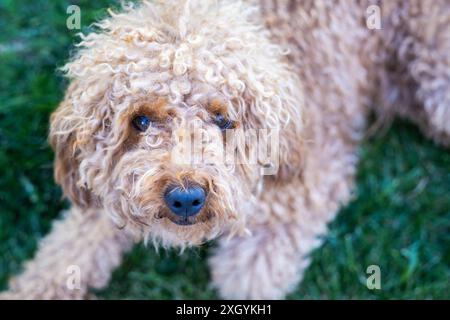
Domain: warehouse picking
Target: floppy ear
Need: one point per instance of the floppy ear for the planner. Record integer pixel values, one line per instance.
(65, 143)
(276, 102)
(291, 154)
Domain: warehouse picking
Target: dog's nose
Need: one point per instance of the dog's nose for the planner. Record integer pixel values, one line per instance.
(185, 202)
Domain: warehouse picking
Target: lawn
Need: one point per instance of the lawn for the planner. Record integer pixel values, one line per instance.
(399, 220)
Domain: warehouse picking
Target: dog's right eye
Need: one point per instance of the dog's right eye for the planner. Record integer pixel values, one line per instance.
(222, 122)
(141, 123)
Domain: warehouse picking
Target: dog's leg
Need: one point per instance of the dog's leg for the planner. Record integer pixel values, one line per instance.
(270, 263)
(425, 53)
(266, 265)
(433, 94)
(80, 253)
(287, 227)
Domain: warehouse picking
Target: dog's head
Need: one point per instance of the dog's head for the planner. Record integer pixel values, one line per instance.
(158, 98)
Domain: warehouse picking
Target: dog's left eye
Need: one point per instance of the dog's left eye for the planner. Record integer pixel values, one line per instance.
(222, 122)
(141, 123)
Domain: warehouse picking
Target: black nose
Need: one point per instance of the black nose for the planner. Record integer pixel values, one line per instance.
(185, 202)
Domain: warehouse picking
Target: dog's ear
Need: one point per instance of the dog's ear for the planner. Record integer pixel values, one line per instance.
(65, 142)
(277, 102)
(290, 153)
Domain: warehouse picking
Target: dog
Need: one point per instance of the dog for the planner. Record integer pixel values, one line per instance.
(308, 72)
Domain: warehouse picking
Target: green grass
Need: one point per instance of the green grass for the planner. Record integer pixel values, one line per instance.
(400, 219)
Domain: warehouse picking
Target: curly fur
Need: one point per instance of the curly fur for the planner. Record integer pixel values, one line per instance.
(310, 69)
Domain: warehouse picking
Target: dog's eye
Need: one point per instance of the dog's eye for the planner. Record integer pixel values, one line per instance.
(222, 122)
(141, 123)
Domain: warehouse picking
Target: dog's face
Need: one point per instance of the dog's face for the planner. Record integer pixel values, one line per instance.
(154, 104)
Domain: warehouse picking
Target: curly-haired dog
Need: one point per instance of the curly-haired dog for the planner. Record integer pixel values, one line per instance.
(310, 69)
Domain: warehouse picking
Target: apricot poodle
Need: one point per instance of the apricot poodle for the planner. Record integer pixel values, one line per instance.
(307, 73)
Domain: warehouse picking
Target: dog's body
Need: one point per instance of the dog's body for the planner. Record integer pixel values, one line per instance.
(319, 95)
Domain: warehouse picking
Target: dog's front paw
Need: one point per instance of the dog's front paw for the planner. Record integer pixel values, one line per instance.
(258, 267)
